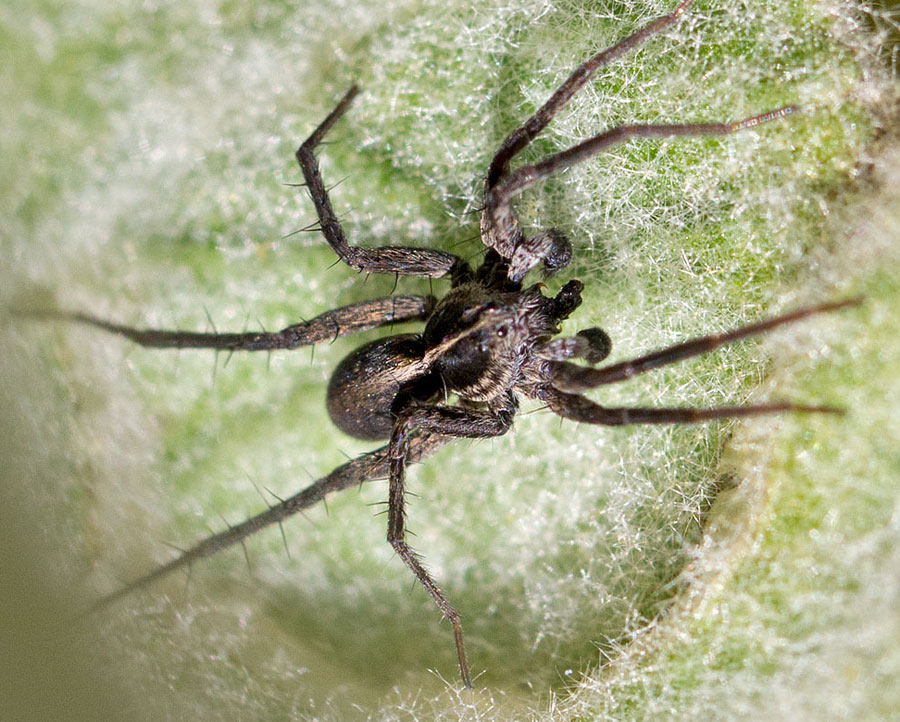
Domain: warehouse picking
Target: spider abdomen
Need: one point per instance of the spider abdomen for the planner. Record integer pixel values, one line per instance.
(365, 387)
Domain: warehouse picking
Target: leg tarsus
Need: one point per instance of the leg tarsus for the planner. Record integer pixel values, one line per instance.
(409, 557)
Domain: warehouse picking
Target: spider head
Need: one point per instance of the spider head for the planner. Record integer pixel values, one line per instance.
(477, 339)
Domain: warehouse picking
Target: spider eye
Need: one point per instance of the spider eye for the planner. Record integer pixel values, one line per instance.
(502, 331)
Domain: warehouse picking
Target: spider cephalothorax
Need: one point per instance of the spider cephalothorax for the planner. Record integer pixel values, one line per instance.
(489, 341)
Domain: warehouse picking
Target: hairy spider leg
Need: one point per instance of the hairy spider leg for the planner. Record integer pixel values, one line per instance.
(567, 378)
(367, 467)
(572, 378)
(519, 139)
(328, 326)
(518, 181)
(452, 421)
(500, 228)
(579, 408)
(399, 260)
(499, 221)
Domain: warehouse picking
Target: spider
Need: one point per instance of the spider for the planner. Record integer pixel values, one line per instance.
(489, 340)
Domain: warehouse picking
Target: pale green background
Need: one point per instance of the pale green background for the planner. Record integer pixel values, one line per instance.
(145, 153)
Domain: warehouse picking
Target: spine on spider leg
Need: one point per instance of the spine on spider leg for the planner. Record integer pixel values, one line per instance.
(368, 467)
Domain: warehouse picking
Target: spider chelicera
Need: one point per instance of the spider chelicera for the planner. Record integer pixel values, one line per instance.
(487, 342)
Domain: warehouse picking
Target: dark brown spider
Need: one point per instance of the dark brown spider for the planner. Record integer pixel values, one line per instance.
(488, 341)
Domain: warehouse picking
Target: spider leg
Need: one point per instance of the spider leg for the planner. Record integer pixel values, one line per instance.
(503, 233)
(388, 259)
(518, 181)
(500, 227)
(572, 378)
(448, 421)
(578, 408)
(519, 139)
(325, 327)
(368, 467)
